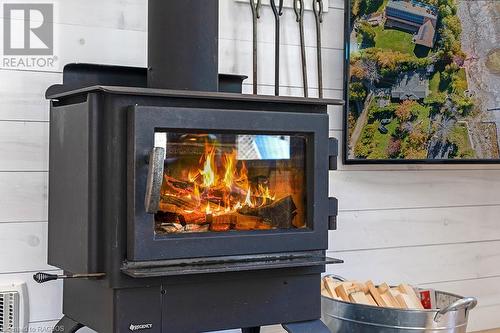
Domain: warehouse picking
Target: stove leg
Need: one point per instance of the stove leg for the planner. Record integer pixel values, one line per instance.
(314, 326)
(67, 325)
(251, 330)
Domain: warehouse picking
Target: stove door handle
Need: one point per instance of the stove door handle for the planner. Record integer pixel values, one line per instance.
(154, 180)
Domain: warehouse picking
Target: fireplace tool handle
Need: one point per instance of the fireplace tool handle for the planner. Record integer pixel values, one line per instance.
(298, 7)
(277, 11)
(256, 5)
(45, 277)
(318, 15)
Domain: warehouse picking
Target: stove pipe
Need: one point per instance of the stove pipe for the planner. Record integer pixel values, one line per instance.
(183, 44)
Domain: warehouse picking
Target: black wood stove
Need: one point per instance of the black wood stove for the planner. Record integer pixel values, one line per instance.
(178, 204)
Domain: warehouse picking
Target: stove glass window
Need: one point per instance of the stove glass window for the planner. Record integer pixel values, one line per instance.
(222, 182)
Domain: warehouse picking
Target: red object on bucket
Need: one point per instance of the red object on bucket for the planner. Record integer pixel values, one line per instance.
(428, 299)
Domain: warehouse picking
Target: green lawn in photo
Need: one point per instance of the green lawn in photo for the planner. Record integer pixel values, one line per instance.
(435, 83)
(459, 136)
(383, 140)
(423, 115)
(395, 40)
(379, 141)
(461, 81)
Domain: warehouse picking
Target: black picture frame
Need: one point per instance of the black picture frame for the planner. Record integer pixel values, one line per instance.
(345, 128)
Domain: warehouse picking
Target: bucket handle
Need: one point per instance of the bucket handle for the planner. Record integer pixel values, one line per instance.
(467, 303)
(337, 277)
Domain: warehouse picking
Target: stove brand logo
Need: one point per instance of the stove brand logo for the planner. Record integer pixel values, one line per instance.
(140, 327)
(28, 29)
(28, 36)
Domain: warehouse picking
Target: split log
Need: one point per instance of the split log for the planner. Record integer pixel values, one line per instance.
(415, 301)
(280, 214)
(176, 187)
(184, 203)
(193, 218)
(179, 209)
(225, 219)
(375, 294)
(178, 184)
(247, 222)
(181, 188)
(241, 222)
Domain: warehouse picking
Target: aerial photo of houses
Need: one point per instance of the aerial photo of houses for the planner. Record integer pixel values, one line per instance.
(424, 80)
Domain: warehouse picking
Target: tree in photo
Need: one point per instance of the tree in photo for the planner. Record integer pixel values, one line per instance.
(357, 92)
(394, 148)
(404, 111)
(367, 33)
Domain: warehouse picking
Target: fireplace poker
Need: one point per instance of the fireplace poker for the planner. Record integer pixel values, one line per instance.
(278, 11)
(256, 5)
(318, 14)
(298, 7)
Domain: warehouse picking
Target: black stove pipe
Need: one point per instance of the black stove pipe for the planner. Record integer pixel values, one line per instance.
(183, 44)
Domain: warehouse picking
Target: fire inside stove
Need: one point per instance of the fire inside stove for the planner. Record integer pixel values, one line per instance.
(225, 182)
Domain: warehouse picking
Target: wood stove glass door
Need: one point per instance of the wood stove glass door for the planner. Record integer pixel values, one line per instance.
(221, 182)
(216, 182)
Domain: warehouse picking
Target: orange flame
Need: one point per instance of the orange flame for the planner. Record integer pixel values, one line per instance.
(221, 184)
(229, 162)
(265, 192)
(209, 171)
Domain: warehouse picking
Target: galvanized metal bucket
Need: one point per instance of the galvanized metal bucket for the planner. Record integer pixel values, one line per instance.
(452, 317)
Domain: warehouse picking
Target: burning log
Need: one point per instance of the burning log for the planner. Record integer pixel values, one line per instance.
(279, 214)
(178, 184)
(247, 222)
(176, 187)
(225, 219)
(241, 222)
(193, 218)
(181, 210)
(183, 203)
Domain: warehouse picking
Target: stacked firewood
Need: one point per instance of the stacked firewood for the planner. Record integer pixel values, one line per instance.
(400, 297)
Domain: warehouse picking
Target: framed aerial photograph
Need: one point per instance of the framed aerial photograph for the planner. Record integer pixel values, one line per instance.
(422, 81)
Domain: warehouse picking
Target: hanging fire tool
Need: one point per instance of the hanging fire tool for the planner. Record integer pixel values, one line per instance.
(278, 11)
(298, 7)
(256, 5)
(318, 14)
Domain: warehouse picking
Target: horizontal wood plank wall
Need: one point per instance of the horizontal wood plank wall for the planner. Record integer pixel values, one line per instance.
(436, 226)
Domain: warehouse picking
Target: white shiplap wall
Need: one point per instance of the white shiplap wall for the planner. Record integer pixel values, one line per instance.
(429, 225)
